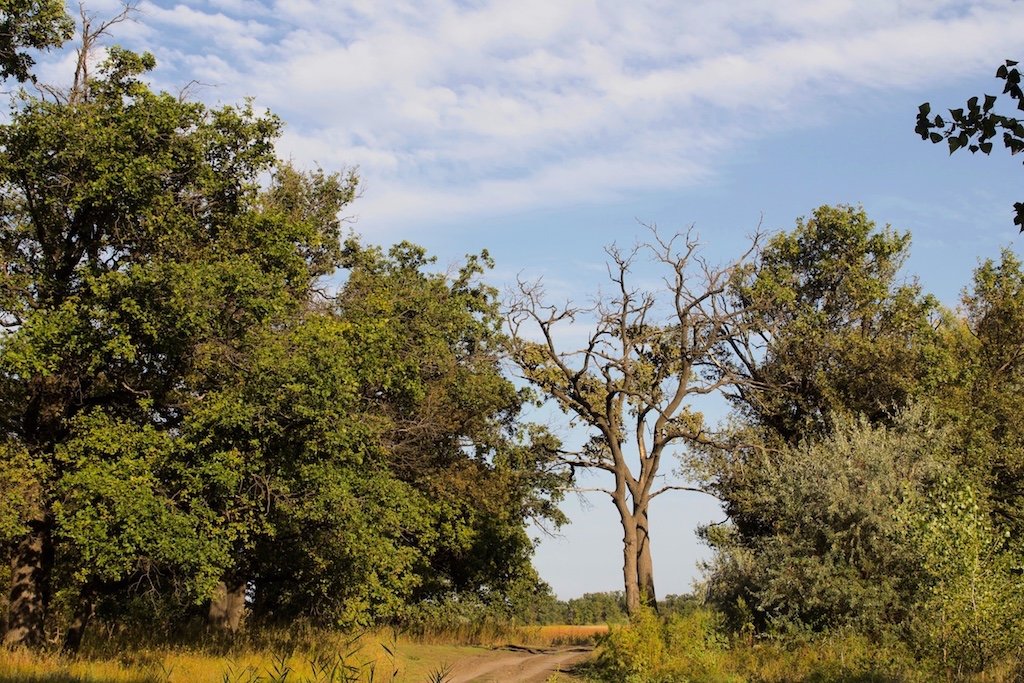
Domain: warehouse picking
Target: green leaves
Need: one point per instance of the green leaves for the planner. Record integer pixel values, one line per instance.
(969, 614)
(843, 336)
(815, 542)
(181, 402)
(975, 129)
(114, 510)
(143, 271)
(33, 24)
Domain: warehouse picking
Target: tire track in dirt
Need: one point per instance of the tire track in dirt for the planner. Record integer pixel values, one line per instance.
(518, 665)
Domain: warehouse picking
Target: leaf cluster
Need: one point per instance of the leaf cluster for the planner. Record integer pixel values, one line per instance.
(30, 25)
(976, 125)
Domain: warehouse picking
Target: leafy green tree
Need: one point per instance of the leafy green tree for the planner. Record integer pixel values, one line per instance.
(597, 608)
(969, 614)
(987, 401)
(453, 415)
(833, 332)
(837, 347)
(30, 25)
(976, 125)
(139, 259)
(380, 449)
(827, 548)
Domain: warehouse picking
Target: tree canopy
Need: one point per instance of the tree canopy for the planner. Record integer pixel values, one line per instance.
(195, 402)
(833, 330)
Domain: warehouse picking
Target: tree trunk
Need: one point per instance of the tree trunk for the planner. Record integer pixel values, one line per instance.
(29, 591)
(83, 614)
(227, 606)
(630, 575)
(645, 565)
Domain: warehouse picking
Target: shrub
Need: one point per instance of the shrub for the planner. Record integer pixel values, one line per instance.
(688, 647)
(634, 653)
(970, 616)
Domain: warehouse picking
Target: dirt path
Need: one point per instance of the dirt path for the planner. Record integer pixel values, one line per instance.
(517, 664)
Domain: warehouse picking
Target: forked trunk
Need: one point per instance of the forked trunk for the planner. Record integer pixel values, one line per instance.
(28, 599)
(227, 606)
(637, 566)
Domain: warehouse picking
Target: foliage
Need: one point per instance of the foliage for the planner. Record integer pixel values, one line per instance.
(823, 447)
(182, 405)
(20, 492)
(680, 648)
(139, 255)
(597, 608)
(849, 512)
(985, 400)
(968, 528)
(975, 126)
(379, 449)
(833, 332)
(816, 543)
(969, 616)
(836, 657)
(30, 25)
(634, 653)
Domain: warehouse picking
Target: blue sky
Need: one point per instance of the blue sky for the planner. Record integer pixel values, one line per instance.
(544, 129)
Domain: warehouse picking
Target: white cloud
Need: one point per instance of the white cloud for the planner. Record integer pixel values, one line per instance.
(452, 108)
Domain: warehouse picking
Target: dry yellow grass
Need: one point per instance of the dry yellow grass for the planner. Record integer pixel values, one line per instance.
(307, 654)
(563, 634)
(373, 658)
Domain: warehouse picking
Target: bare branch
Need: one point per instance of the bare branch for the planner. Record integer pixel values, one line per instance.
(693, 489)
(576, 489)
(647, 356)
(91, 32)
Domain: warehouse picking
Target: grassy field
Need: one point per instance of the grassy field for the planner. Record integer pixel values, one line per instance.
(306, 657)
(683, 650)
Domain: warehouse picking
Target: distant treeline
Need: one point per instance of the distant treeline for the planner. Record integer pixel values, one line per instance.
(597, 608)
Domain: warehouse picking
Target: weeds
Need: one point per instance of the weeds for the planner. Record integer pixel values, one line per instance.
(442, 674)
(247, 674)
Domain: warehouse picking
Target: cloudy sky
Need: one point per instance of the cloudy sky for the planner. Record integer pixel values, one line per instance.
(545, 129)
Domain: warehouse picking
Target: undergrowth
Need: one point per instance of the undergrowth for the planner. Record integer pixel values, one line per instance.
(695, 648)
(299, 654)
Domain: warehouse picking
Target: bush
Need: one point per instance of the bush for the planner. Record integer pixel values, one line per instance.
(686, 647)
(634, 653)
(970, 616)
(813, 543)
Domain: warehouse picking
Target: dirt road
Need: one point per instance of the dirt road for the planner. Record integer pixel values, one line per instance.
(517, 665)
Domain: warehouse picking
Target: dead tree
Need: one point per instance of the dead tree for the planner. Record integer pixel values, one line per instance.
(649, 353)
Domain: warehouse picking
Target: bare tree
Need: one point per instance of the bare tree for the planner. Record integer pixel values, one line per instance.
(649, 353)
(90, 33)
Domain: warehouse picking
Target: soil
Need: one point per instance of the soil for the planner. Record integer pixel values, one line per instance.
(514, 664)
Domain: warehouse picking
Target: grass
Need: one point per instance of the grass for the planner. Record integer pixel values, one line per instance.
(557, 635)
(293, 656)
(300, 654)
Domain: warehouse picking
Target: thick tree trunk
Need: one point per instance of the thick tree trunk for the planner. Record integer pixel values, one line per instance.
(637, 565)
(227, 606)
(630, 575)
(29, 590)
(645, 564)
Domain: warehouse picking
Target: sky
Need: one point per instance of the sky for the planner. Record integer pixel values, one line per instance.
(543, 130)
